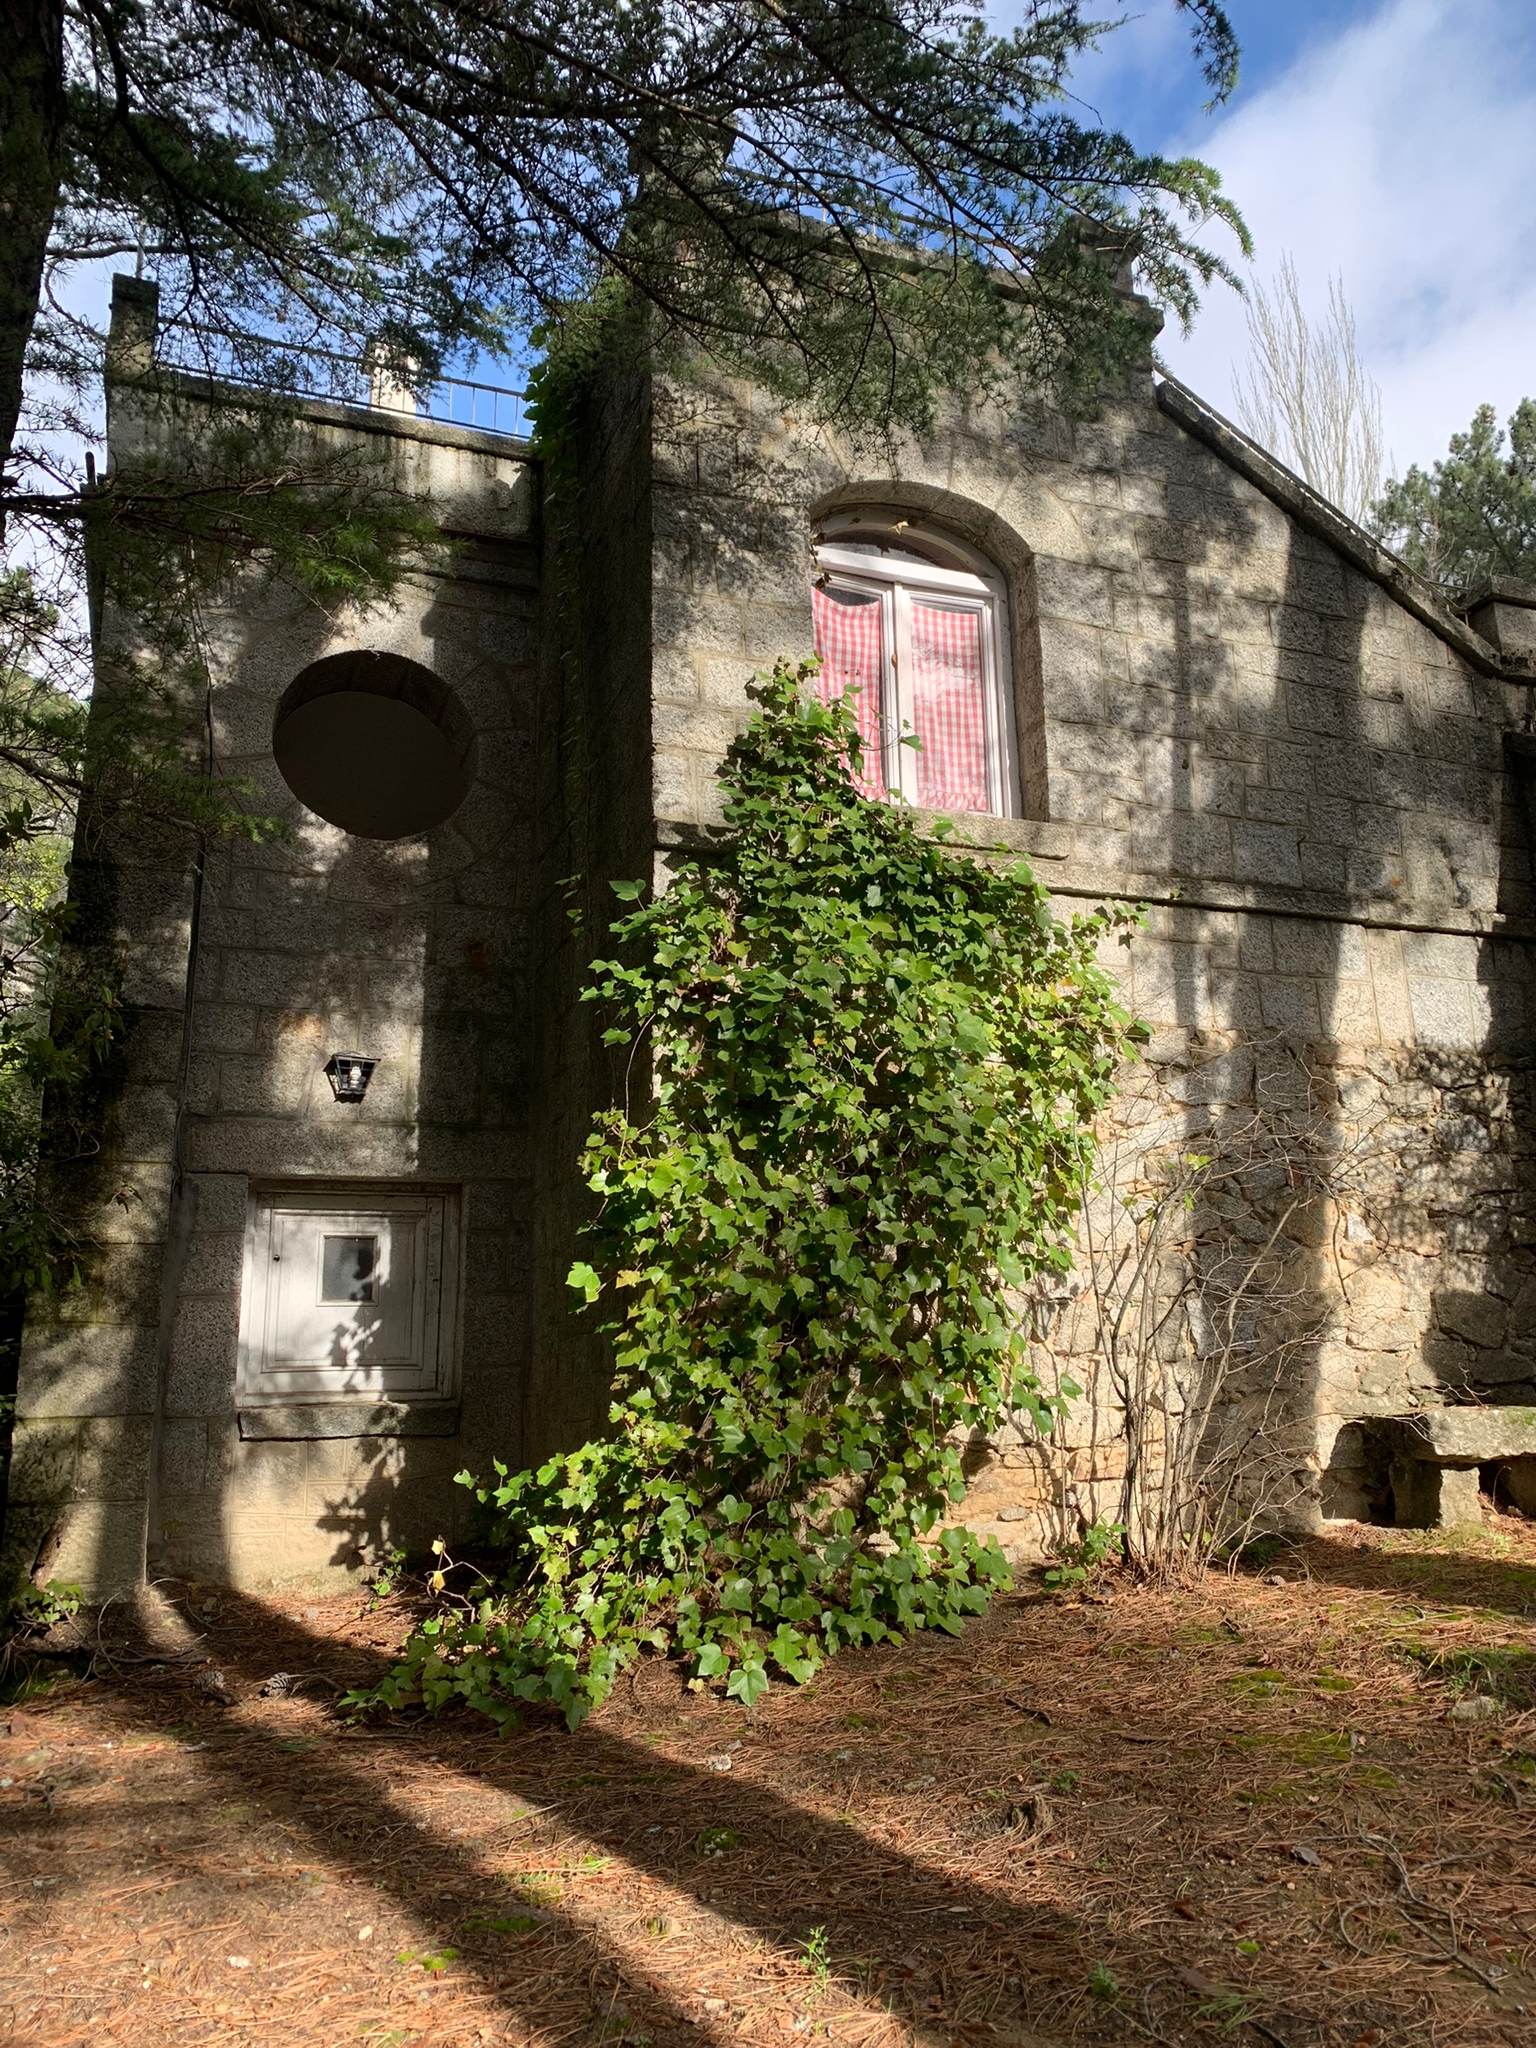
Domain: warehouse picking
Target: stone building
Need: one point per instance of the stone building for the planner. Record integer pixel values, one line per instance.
(1147, 658)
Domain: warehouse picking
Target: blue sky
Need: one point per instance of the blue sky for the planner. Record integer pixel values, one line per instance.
(1144, 82)
(1392, 142)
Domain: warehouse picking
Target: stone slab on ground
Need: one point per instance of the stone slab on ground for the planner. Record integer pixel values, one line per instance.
(1436, 1456)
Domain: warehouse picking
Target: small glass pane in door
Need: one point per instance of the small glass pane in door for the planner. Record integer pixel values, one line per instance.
(348, 1268)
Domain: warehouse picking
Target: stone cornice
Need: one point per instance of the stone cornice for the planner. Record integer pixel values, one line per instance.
(1048, 847)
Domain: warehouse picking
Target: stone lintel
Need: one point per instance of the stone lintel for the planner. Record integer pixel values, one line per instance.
(304, 1423)
(1464, 1436)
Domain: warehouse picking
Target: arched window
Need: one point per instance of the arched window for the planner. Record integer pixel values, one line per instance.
(916, 626)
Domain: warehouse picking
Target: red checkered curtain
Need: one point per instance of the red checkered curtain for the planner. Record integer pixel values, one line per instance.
(949, 708)
(848, 640)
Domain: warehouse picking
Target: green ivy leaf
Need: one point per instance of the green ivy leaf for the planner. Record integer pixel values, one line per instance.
(584, 1280)
(748, 1682)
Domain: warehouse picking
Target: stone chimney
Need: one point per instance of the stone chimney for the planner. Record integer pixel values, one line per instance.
(134, 329)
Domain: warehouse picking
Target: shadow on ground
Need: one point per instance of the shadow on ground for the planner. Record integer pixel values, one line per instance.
(1079, 1823)
(1443, 1565)
(771, 1870)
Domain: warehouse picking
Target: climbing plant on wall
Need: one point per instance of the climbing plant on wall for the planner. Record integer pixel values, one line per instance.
(864, 1068)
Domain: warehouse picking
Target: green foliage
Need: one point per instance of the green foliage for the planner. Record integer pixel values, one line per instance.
(388, 1575)
(1100, 1546)
(861, 203)
(37, 1608)
(1102, 1982)
(851, 273)
(873, 197)
(124, 765)
(1233, 2009)
(54, 1027)
(1474, 515)
(220, 480)
(218, 156)
(817, 1951)
(433, 1961)
(866, 1068)
(602, 331)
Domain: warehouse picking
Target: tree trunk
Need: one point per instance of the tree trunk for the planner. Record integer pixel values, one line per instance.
(31, 164)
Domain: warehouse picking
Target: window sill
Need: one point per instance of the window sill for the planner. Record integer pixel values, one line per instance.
(308, 1422)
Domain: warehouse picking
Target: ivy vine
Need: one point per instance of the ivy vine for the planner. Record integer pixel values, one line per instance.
(866, 1067)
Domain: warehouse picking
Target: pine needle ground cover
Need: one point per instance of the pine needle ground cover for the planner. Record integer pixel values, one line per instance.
(1301, 1813)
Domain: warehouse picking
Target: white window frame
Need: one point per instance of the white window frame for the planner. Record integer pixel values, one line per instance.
(428, 1221)
(894, 580)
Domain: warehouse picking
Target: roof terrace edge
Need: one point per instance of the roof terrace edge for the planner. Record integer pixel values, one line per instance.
(361, 419)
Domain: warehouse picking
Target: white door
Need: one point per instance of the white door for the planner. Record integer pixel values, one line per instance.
(346, 1298)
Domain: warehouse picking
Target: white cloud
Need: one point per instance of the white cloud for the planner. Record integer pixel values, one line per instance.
(1402, 154)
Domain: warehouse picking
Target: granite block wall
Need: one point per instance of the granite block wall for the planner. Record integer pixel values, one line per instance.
(1230, 710)
(1230, 716)
(418, 951)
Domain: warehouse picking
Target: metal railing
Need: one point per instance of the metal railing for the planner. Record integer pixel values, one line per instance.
(261, 363)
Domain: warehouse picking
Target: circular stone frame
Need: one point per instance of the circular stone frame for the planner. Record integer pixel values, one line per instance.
(375, 744)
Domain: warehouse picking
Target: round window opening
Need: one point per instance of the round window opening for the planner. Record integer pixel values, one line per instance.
(375, 744)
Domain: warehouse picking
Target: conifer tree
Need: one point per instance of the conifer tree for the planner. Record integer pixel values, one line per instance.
(1472, 515)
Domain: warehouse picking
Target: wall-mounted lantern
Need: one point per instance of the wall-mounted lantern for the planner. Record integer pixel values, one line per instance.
(349, 1074)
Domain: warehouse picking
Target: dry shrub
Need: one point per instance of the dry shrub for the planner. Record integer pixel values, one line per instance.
(1192, 1321)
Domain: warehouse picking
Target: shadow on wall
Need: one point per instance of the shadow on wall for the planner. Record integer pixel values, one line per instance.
(1250, 769)
(1287, 990)
(375, 1520)
(1466, 1200)
(1363, 1088)
(413, 949)
(1443, 1304)
(1289, 761)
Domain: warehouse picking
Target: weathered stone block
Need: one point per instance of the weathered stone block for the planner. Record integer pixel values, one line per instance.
(43, 1459)
(112, 1458)
(1266, 853)
(184, 1455)
(1228, 1078)
(1290, 1004)
(1429, 1496)
(1468, 1436)
(100, 1369)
